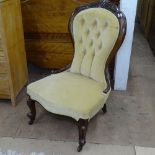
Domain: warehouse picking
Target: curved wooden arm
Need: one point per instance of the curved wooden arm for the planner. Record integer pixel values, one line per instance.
(107, 77)
(56, 71)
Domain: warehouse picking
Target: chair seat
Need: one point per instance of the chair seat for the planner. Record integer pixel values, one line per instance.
(69, 94)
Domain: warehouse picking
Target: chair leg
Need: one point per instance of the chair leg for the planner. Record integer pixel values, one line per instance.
(104, 109)
(32, 114)
(82, 126)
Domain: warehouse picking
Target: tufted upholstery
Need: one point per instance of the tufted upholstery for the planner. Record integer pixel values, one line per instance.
(95, 32)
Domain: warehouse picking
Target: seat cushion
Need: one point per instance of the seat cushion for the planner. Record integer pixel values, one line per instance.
(69, 94)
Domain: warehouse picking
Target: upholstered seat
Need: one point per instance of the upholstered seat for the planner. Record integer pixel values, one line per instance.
(98, 30)
(69, 94)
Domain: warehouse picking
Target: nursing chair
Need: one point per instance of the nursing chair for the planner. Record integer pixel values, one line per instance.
(80, 92)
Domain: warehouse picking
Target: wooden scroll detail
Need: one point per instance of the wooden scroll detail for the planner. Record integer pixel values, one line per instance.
(117, 2)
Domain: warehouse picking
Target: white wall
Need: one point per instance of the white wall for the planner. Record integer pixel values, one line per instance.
(123, 56)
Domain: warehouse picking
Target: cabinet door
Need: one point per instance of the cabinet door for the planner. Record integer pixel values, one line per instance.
(151, 36)
(13, 40)
(145, 13)
(11, 22)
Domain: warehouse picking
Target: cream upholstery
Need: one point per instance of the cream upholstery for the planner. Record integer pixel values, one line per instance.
(69, 94)
(78, 93)
(95, 32)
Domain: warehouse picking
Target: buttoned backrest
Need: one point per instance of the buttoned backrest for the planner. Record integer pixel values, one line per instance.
(95, 32)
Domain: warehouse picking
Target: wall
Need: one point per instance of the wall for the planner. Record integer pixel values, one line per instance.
(124, 54)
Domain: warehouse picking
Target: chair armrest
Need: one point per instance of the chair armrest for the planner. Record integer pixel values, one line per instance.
(107, 77)
(56, 71)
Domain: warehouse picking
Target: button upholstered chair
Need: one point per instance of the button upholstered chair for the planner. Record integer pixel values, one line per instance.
(98, 30)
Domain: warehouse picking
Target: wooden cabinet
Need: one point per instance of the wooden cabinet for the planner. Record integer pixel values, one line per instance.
(48, 42)
(151, 36)
(13, 67)
(146, 15)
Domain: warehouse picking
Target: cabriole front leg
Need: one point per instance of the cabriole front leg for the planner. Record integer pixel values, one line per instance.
(32, 114)
(82, 126)
(104, 109)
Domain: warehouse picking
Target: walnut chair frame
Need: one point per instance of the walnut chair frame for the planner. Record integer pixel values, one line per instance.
(83, 124)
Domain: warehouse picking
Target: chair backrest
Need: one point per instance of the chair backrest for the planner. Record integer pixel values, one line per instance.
(98, 30)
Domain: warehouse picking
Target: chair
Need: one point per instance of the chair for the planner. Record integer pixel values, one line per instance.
(98, 30)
